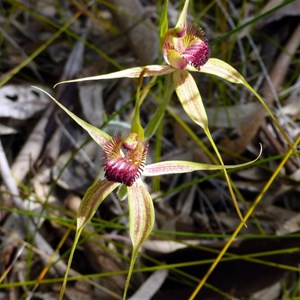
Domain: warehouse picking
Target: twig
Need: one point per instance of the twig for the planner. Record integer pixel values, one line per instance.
(277, 76)
(141, 34)
(32, 148)
(281, 66)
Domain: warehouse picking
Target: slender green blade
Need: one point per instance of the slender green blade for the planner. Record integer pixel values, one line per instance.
(164, 20)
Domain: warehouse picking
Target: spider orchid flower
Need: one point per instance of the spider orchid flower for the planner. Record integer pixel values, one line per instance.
(124, 162)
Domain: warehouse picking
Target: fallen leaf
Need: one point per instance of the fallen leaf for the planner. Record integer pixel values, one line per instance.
(21, 102)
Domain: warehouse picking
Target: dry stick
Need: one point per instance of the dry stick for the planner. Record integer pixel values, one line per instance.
(21, 166)
(50, 255)
(134, 22)
(291, 166)
(249, 128)
(23, 54)
(281, 66)
(32, 148)
(29, 154)
(277, 76)
(4, 79)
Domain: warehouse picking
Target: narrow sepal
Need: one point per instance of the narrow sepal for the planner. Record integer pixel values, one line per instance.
(181, 23)
(223, 70)
(151, 70)
(178, 166)
(98, 135)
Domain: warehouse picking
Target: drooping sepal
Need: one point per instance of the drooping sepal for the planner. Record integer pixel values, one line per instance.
(141, 221)
(92, 199)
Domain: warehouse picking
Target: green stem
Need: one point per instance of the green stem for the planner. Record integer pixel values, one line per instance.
(229, 183)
